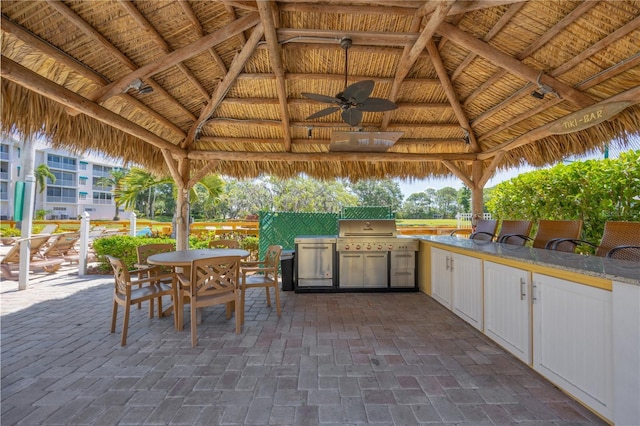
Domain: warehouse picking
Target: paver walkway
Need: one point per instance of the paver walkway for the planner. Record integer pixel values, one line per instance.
(387, 359)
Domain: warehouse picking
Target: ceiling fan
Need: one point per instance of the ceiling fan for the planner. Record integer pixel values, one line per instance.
(354, 99)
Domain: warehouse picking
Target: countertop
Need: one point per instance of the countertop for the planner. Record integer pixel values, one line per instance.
(612, 269)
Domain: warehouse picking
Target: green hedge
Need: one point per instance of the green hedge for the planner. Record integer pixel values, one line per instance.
(595, 191)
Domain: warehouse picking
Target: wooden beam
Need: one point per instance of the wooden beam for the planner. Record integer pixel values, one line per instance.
(489, 171)
(151, 32)
(512, 64)
(38, 84)
(632, 96)
(369, 38)
(459, 173)
(426, 142)
(408, 59)
(222, 88)
(333, 125)
(61, 57)
(186, 8)
(172, 165)
(451, 94)
(178, 56)
(465, 6)
(93, 34)
(201, 173)
(267, 11)
(618, 68)
(305, 101)
(504, 20)
(391, 157)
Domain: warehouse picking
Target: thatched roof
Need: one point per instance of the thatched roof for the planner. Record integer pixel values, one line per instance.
(228, 78)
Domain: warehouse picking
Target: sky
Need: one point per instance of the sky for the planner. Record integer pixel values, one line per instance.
(420, 185)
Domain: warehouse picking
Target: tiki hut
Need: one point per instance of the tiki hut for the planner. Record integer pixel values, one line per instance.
(353, 89)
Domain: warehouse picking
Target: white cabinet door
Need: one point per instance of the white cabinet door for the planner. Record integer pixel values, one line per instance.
(507, 318)
(466, 275)
(572, 339)
(441, 276)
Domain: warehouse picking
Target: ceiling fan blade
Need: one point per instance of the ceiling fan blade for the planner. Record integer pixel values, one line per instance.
(323, 112)
(376, 105)
(321, 98)
(358, 92)
(352, 116)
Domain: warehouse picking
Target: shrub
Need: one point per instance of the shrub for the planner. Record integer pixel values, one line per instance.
(122, 247)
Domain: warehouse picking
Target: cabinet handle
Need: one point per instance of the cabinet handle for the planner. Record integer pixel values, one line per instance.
(452, 259)
(448, 260)
(534, 298)
(522, 287)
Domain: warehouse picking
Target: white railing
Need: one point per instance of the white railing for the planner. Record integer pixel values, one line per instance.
(464, 219)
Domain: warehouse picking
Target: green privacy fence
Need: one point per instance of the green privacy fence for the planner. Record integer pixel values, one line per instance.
(367, 213)
(283, 227)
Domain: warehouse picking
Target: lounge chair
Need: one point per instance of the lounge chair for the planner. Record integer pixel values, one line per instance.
(63, 245)
(11, 262)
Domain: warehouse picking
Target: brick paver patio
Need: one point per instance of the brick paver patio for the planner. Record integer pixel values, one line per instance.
(387, 359)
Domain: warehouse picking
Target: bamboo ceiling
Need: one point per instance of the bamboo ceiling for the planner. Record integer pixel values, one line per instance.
(228, 78)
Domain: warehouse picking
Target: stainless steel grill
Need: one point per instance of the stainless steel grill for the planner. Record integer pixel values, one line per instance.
(371, 255)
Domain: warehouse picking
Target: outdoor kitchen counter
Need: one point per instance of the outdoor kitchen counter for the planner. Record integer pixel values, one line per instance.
(593, 266)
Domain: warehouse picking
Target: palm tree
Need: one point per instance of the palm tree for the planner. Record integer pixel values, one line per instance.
(115, 181)
(42, 173)
(139, 181)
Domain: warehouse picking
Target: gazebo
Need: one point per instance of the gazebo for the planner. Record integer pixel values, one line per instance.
(353, 89)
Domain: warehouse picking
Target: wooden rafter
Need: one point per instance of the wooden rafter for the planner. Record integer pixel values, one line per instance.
(188, 11)
(451, 94)
(90, 32)
(225, 84)
(32, 81)
(533, 47)
(267, 11)
(391, 157)
(177, 56)
(632, 96)
(513, 65)
(61, 57)
(131, 9)
(410, 55)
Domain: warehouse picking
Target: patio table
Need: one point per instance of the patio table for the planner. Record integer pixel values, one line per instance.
(182, 259)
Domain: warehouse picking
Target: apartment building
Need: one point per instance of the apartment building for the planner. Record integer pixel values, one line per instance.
(76, 189)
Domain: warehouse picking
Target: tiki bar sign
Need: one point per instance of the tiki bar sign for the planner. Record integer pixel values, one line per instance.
(587, 117)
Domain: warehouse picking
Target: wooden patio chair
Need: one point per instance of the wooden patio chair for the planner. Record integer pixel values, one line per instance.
(620, 240)
(510, 228)
(143, 252)
(485, 230)
(262, 273)
(551, 230)
(212, 281)
(11, 262)
(231, 244)
(63, 245)
(129, 291)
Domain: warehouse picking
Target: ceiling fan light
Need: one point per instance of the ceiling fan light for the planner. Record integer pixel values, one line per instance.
(363, 141)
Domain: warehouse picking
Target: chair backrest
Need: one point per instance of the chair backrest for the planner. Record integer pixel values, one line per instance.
(618, 234)
(62, 244)
(120, 274)
(485, 230)
(147, 250)
(214, 276)
(516, 227)
(550, 229)
(272, 261)
(232, 244)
